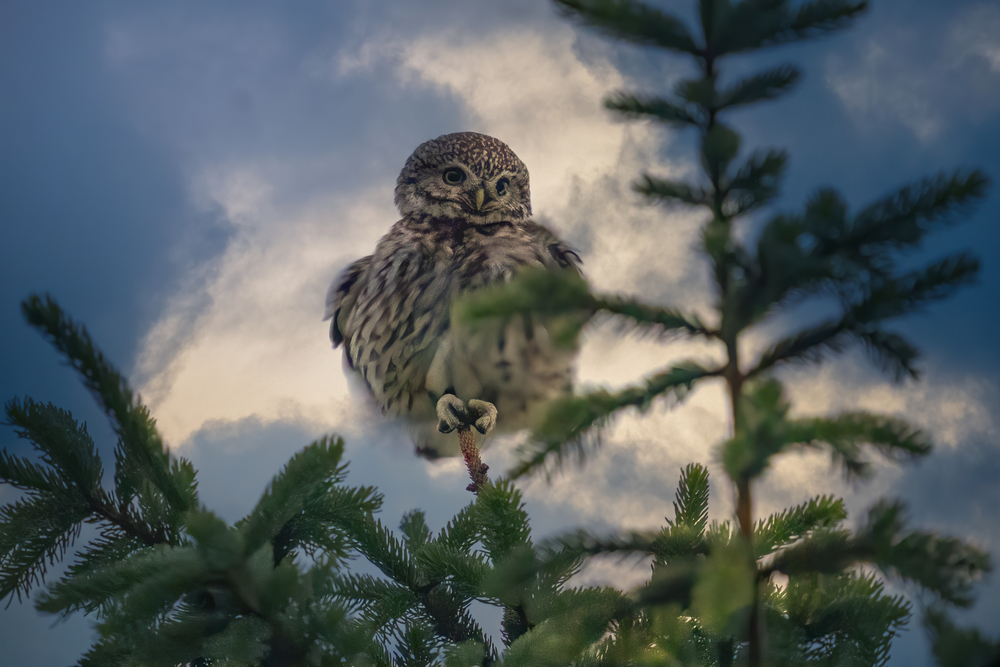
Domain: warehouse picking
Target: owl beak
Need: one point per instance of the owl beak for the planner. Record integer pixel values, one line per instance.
(480, 197)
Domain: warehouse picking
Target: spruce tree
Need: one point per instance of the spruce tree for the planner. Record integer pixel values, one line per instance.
(170, 583)
(790, 258)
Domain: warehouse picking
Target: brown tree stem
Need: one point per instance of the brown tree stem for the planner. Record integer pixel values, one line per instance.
(470, 450)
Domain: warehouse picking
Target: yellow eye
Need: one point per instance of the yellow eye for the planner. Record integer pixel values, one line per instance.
(453, 176)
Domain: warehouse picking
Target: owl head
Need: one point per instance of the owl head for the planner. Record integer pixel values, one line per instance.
(464, 176)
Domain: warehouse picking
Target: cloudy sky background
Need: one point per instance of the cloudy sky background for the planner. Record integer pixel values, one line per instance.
(187, 179)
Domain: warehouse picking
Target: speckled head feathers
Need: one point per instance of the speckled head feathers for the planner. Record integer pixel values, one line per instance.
(482, 167)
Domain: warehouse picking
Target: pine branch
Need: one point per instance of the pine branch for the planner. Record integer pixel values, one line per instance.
(671, 192)
(35, 530)
(754, 24)
(139, 587)
(655, 108)
(453, 622)
(632, 21)
(114, 544)
(767, 431)
(893, 353)
(719, 146)
(672, 543)
(577, 620)
(907, 215)
(463, 529)
(946, 566)
(725, 588)
(823, 552)
(63, 443)
(28, 476)
(107, 652)
(69, 487)
(416, 645)
(304, 502)
(414, 527)
(664, 321)
(908, 293)
(826, 249)
(461, 570)
(502, 520)
(959, 647)
(380, 602)
(141, 451)
(568, 420)
(838, 619)
(691, 499)
(893, 297)
(561, 299)
(755, 184)
(384, 551)
(785, 527)
(581, 543)
(671, 584)
(806, 345)
(759, 87)
(846, 434)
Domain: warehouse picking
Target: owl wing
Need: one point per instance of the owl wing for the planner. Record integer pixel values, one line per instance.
(342, 296)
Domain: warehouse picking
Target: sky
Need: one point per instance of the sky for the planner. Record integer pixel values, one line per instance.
(187, 178)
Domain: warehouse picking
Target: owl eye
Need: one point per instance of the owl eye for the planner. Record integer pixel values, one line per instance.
(453, 176)
(502, 186)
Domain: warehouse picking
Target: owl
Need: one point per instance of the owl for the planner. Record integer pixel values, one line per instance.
(466, 224)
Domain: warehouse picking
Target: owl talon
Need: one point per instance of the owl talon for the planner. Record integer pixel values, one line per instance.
(484, 415)
(453, 413)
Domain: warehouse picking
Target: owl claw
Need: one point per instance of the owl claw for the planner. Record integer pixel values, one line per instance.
(453, 413)
(484, 413)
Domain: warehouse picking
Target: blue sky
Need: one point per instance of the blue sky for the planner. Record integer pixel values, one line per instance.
(187, 178)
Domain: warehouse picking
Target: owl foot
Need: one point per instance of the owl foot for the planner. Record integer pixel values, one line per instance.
(453, 413)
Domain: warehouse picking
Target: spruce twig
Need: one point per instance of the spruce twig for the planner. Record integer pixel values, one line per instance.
(470, 450)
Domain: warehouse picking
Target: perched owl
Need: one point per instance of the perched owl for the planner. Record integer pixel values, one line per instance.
(466, 223)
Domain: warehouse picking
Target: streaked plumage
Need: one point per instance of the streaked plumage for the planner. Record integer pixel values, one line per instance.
(466, 223)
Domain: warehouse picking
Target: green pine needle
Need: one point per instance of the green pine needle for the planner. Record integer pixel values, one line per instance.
(36, 531)
(759, 87)
(945, 566)
(141, 449)
(305, 504)
(753, 24)
(691, 503)
(64, 444)
(655, 108)
(662, 321)
(671, 192)
(632, 21)
(959, 647)
(786, 527)
(569, 420)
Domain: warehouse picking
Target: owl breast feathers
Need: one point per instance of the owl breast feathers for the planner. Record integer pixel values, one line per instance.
(466, 224)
